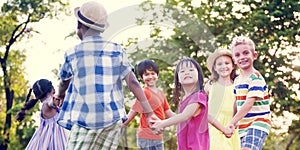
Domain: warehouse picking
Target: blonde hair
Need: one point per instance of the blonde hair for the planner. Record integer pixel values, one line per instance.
(242, 39)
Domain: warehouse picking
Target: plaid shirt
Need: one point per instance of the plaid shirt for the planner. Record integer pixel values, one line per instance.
(94, 98)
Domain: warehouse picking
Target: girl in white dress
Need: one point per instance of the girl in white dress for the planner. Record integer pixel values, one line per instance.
(49, 134)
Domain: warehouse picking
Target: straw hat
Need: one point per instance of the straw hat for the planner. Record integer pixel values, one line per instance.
(217, 53)
(93, 15)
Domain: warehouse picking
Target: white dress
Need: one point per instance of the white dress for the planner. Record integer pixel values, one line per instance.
(48, 136)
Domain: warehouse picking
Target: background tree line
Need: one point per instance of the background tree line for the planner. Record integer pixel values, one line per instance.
(273, 25)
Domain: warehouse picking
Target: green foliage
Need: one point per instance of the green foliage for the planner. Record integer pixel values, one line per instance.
(15, 15)
(272, 25)
(14, 12)
(19, 85)
(5, 26)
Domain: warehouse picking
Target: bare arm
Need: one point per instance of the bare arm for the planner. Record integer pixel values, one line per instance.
(207, 87)
(243, 111)
(214, 122)
(130, 116)
(138, 92)
(169, 113)
(187, 113)
(234, 108)
(62, 87)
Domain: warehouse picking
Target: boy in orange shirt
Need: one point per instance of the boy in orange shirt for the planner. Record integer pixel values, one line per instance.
(148, 70)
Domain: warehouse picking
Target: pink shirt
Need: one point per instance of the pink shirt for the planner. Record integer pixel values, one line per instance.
(193, 134)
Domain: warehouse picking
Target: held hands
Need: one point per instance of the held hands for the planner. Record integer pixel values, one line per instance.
(56, 101)
(157, 127)
(152, 122)
(124, 124)
(151, 119)
(229, 130)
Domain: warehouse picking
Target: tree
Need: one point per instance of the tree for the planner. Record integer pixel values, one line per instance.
(273, 25)
(15, 17)
(19, 86)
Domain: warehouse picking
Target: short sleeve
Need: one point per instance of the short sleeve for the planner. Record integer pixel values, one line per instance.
(126, 66)
(66, 69)
(257, 87)
(199, 97)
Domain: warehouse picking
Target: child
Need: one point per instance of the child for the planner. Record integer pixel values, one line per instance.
(91, 84)
(49, 135)
(221, 106)
(148, 71)
(251, 95)
(191, 120)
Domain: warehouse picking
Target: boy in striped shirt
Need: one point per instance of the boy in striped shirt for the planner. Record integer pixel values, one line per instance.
(251, 94)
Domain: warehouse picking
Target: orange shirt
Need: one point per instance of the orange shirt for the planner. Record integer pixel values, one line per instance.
(159, 105)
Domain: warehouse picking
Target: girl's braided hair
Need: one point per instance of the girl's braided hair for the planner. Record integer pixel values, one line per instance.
(40, 89)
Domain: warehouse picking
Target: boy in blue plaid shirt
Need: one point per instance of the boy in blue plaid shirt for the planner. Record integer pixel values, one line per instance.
(92, 75)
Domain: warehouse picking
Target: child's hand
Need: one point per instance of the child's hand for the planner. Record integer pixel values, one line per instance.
(157, 127)
(123, 125)
(228, 132)
(125, 122)
(231, 126)
(57, 101)
(151, 119)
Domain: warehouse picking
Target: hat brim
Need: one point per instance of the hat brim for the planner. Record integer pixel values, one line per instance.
(87, 22)
(212, 57)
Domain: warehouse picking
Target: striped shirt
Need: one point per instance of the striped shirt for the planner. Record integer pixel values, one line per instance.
(94, 98)
(259, 115)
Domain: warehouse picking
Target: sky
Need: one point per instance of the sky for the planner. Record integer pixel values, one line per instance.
(45, 50)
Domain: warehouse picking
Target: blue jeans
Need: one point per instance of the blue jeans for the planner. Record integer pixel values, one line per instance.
(254, 139)
(146, 144)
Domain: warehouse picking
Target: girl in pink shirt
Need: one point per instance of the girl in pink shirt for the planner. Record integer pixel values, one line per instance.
(192, 117)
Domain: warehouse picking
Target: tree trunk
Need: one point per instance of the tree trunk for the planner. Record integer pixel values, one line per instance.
(9, 102)
(290, 141)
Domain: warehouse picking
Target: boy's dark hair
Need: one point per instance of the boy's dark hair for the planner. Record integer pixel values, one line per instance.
(40, 89)
(147, 65)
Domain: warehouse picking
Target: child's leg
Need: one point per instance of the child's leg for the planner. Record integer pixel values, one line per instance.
(254, 140)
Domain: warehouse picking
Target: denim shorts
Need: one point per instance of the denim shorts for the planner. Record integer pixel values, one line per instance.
(146, 144)
(254, 139)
